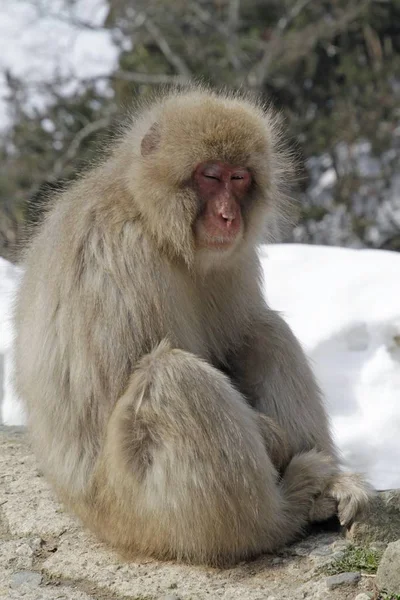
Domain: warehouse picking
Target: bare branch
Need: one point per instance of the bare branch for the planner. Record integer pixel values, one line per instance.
(207, 18)
(296, 9)
(43, 11)
(227, 31)
(232, 38)
(260, 71)
(133, 76)
(74, 146)
(176, 61)
(150, 78)
(300, 43)
(233, 15)
(374, 46)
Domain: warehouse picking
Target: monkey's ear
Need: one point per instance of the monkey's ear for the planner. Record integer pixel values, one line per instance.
(151, 140)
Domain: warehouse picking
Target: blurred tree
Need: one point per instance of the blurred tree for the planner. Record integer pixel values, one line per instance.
(331, 66)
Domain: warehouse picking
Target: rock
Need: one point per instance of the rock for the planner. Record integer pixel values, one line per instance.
(364, 596)
(388, 574)
(35, 532)
(379, 546)
(48, 593)
(16, 555)
(341, 544)
(314, 545)
(29, 578)
(342, 579)
(381, 523)
(321, 551)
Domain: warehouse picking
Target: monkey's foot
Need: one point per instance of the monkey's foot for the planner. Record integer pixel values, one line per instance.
(347, 496)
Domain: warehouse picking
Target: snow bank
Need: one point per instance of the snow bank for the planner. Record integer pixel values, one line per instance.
(10, 408)
(344, 306)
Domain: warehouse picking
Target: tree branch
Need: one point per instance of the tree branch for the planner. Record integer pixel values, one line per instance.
(176, 61)
(285, 21)
(300, 43)
(232, 38)
(227, 31)
(150, 78)
(74, 146)
(233, 15)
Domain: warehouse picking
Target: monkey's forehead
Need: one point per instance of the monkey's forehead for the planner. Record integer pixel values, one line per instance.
(201, 126)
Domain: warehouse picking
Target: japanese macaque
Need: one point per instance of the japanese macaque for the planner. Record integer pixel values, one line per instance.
(169, 406)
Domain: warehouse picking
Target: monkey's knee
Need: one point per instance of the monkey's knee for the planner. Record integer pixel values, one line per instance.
(178, 400)
(144, 416)
(169, 383)
(172, 383)
(185, 448)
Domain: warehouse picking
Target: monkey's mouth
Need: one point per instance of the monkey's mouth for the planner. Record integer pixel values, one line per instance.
(217, 233)
(218, 242)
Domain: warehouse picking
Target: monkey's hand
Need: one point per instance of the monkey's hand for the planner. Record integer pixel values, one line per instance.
(347, 495)
(276, 442)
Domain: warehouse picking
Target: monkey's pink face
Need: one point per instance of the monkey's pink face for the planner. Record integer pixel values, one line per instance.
(222, 189)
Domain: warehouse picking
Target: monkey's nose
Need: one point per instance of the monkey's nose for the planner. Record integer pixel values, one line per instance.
(228, 217)
(226, 213)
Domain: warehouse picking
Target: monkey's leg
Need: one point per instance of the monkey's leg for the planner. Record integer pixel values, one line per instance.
(272, 371)
(185, 474)
(276, 441)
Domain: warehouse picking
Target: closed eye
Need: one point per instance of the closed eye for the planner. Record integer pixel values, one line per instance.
(212, 177)
(237, 177)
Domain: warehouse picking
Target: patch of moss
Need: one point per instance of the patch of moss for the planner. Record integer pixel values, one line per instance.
(356, 559)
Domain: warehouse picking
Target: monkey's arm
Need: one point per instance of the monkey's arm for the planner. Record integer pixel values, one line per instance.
(273, 372)
(276, 441)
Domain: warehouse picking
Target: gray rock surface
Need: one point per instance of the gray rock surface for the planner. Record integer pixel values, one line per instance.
(342, 579)
(388, 575)
(381, 523)
(67, 562)
(25, 578)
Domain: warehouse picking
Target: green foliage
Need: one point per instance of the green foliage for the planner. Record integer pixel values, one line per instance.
(356, 559)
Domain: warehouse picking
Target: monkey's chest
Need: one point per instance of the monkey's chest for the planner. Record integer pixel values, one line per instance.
(203, 328)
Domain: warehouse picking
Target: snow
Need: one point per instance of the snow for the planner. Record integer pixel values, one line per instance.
(42, 41)
(11, 412)
(343, 305)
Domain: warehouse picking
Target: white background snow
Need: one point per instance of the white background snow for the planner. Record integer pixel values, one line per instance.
(344, 306)
(42, 40)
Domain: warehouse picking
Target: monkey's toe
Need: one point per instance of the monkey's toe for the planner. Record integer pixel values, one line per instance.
(352, 495)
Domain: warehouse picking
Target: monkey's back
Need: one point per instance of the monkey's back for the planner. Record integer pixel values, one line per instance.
(83, 316)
